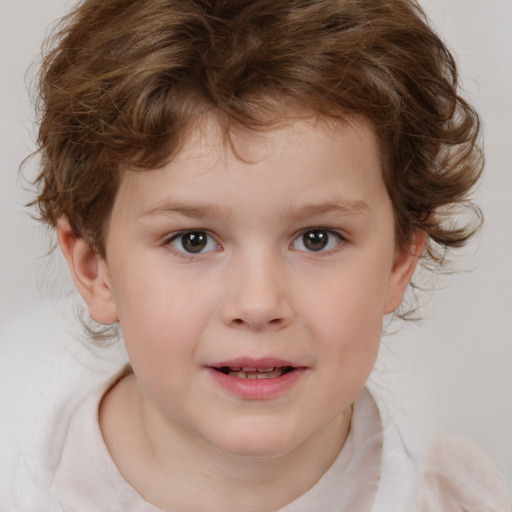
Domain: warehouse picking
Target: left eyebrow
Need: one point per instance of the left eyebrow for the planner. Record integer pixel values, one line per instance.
(343, 207)
(191, 210)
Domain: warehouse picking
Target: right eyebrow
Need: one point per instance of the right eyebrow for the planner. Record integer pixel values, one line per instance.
(337, 207)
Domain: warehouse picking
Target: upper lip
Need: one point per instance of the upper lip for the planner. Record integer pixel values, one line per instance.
(257, 363)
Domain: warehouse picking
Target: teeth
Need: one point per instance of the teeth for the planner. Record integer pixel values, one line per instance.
(249, 372)
(248, 369)
(266, 373)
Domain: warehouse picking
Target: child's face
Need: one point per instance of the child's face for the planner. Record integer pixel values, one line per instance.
(287, 259)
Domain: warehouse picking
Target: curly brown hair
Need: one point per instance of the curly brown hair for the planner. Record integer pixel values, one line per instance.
(122, 82)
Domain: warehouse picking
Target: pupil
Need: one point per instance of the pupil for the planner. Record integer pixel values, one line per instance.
(194, 241)
(315, 240)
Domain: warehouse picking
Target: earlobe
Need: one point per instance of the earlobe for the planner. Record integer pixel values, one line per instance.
(90, 274)
(404, 265)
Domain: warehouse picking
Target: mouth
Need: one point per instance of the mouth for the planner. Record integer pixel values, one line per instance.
(256, 378)
(248, 372)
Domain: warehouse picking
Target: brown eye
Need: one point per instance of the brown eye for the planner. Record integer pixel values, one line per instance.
(317, 240)
(193, 242)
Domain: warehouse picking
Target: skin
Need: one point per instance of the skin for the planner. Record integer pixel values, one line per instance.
(255, 290)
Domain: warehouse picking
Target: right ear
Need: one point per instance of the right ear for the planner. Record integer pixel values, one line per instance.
(90, 274)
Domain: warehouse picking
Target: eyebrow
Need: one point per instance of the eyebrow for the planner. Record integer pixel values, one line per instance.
(338, 207)
(194, 211)
(197, 211)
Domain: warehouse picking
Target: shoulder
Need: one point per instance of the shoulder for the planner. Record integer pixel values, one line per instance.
(457, 476)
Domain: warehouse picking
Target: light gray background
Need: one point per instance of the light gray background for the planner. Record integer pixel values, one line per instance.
(454, 369)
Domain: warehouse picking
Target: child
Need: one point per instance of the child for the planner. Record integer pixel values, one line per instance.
(246, 188)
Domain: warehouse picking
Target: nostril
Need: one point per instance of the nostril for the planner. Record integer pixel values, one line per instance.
(274, 322)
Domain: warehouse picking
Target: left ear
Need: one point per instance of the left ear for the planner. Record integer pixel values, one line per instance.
(403, 269)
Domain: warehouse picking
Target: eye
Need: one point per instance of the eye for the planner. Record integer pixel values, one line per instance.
(193, 242)
(317, 240)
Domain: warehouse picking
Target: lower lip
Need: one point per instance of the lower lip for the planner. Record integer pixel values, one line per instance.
(257, 389)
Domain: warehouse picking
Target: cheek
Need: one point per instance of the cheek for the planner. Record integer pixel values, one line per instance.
(347, 318)
(160, 317)
(352, 339)
(352, 300)
(152, 296)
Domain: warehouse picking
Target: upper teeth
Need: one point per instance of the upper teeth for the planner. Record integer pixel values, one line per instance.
(248, 369)
(248, 372)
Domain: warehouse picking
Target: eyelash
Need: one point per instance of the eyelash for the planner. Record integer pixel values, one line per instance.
(175, 237)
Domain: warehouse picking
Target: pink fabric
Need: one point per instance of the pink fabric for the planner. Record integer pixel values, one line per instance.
(458, 476)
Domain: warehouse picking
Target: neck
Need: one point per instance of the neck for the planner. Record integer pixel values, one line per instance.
(162, 452)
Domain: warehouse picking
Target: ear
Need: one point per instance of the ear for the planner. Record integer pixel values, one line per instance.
(403, 269)
(90, 274)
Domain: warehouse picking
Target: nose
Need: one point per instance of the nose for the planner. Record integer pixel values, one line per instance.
(258, 295)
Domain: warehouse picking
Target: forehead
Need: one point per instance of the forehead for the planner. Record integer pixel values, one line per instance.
(218, 139)
(310, 159)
